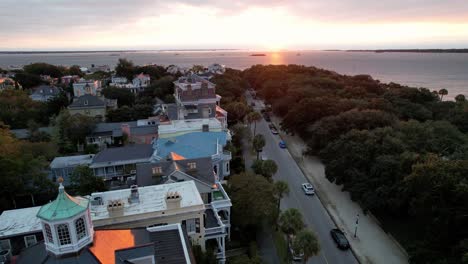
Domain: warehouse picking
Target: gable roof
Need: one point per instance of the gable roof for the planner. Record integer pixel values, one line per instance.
(46, 90)
(126, 153)
(87, 101)
(203, 173)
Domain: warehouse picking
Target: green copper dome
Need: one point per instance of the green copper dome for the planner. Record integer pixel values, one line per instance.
(65, 206)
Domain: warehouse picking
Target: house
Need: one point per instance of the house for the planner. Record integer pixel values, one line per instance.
(196, 98)
(115, 80)
(120, 163)
(67, 79)
(83, 87)
(89, 105)
(197, 145)
(141, 80)
(140, 132)
(8, 83)
(23, 133)
(138, 225)
(97, 68)
(217, 68)
(64, 166)
(44, 93)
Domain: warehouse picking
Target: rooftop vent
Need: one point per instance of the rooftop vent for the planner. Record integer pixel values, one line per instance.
(134, 195)
(115, 205)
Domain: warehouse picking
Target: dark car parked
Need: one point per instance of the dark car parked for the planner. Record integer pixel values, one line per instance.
(339, 238)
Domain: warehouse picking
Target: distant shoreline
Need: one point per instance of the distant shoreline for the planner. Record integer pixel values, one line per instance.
(414, 50)
(107, 51)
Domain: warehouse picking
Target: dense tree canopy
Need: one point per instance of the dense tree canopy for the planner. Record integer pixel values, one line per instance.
(399, 151)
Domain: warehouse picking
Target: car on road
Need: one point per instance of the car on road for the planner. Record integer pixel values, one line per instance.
(264, 156)
(295, 256)
(282, 144)
(273, 129)
(339, 238)
(308, 188)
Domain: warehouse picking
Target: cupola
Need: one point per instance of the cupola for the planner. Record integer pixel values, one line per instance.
(66, 223)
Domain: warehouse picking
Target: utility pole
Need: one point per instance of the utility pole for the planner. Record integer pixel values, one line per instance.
(357, 223)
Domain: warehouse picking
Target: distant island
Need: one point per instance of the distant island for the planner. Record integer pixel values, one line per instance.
(114, 52)
(258, 54)
(414, 50)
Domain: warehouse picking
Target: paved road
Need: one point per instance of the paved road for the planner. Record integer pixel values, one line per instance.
(315, 215)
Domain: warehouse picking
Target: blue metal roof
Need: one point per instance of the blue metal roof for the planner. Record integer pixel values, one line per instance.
(191, 145)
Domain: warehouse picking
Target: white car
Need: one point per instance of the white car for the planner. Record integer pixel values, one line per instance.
(264, 156)
(308, 188)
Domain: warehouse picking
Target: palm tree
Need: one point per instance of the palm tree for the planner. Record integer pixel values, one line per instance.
(291, 221)
(442, 92)
(253, 117)
(281, 189)
(307, 243)
(258, 143)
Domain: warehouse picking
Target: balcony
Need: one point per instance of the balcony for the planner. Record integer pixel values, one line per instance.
(220, 199)
(213, 224)
(224, 155)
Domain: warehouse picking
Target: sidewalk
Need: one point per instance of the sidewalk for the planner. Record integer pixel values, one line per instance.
(264, 236)
(372, 244)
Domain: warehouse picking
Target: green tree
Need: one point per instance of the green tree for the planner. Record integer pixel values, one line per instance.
(125, 68)
(245, 190)
(442, 93)
(27, 80)
(269, 168)
(307, 243)
(290, 221)
(83, 181)
(123, 96)
(258, 143)
(74, 70)
(460, 98)
(41, 68)
(69, 131)
(253, 117)
(281, 189)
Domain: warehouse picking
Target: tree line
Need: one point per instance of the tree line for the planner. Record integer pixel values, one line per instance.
(401, 152)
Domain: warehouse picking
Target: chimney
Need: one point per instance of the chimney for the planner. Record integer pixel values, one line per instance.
(173, 200)
(134, 195)
(126, 129)
(115, 207)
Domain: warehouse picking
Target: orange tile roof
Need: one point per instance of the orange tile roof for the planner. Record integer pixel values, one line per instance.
(106, 242)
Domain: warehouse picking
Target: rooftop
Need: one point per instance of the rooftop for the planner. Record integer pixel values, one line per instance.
(179, 127)
(87, 100)
(191, 145)
(19, 221)
(63, 207)
(151, 199)
(137, 152)
(71, 161)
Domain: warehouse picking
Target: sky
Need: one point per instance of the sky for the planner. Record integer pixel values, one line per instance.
(236, 24)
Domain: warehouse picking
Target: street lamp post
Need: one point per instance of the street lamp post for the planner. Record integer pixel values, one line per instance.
(357, 223)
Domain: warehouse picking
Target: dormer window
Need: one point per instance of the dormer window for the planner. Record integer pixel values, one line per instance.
(157, 170)
(192, 165)
(85, 102)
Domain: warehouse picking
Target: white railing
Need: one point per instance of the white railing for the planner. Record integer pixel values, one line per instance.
(215, 230)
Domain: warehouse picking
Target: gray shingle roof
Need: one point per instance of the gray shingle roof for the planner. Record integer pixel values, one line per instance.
(130, 152)
(203, 173)
(87, 101)
(46, 90)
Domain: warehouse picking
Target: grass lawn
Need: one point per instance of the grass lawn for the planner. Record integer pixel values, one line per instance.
(281, 246)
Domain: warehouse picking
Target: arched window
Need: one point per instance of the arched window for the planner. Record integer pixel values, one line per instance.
(63, 234)
(80, 228)
(48, 232)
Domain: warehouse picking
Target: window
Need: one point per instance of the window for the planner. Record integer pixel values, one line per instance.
(63, 234)
(157, 170)
(50, 238)
(30, 240)
(227, 167)
(192, 165)
(190, 224)
(209, 111)
(80, 228)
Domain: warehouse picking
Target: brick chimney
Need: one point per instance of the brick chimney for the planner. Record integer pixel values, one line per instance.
(173, 200)
(126, 129)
